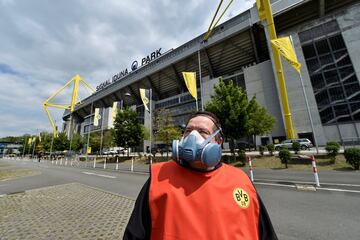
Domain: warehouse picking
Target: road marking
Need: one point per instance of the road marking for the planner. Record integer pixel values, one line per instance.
(338, 190)
(275, 184)
(322, 183)
(317, 188)
(100, 175)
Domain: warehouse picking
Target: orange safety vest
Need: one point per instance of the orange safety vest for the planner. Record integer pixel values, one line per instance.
(185, 204)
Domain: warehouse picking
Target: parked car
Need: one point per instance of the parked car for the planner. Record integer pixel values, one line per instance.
(304, 144)
(114, 150)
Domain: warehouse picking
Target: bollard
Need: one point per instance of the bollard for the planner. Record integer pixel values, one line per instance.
(117, 162)
(105, 162)
(94, 162)
(251, 169)
(315, 171)
(132, 164)
(66, 160)
(61, 160)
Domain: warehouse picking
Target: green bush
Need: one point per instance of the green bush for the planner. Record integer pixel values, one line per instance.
(242, 156)
(262, 149)
(352, 156)
(332, 148)
(271, 149)
(296, 147)
(284, 155)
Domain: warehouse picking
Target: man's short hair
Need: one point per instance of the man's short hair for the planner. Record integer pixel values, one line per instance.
(209, 115)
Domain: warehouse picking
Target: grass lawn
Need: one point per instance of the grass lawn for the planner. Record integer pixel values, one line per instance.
(323, 162)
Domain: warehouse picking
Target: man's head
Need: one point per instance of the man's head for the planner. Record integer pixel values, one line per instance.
(200, 145)
(206, 123)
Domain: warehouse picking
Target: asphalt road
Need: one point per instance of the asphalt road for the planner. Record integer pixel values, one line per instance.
(331, 212)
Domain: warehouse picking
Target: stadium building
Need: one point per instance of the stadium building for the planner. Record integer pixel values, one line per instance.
(326, 37)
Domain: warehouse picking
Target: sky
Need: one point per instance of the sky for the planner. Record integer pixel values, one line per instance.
(44, 43)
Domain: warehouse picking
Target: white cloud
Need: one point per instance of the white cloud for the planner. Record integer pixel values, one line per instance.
(45, 43)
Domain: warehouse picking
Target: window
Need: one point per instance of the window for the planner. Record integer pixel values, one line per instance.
(336, 87)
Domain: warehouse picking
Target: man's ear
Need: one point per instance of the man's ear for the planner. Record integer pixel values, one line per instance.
(219, 139)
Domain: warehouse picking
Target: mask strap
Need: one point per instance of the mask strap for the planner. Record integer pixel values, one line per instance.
(211, 137)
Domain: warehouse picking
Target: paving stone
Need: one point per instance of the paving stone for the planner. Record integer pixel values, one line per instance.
(69, 211)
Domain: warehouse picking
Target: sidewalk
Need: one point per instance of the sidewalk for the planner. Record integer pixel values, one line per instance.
(70, 211)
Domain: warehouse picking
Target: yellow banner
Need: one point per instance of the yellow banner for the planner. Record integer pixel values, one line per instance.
(113, 113)
(89, 150)
(284, 46)
(190, 81)
(29, 141)
(261, 10)
(144, 99)
(97, 117)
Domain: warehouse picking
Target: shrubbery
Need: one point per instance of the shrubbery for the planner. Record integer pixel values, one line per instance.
(296, 147)
(242, 156)
(284, 156)
(271, 149)
(332, 149)
(262, 149)
(352, 156)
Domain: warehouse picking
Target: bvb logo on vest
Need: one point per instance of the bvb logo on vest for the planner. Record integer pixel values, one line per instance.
(241, 197)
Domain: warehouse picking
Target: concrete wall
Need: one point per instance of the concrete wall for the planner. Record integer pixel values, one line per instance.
(349, 23)
(208, 87)
(260, 82)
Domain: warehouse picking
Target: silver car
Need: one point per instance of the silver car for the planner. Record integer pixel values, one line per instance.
(304, 144)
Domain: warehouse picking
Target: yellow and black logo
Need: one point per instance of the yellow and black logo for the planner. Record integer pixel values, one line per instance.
(241, 197)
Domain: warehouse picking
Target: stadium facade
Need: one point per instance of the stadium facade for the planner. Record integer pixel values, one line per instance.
(326, 37)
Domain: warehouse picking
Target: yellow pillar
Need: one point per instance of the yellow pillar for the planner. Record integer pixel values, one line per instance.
(75, 92)
(290, 132)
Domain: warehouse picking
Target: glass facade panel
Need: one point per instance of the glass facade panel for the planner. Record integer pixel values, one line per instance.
(336, 87)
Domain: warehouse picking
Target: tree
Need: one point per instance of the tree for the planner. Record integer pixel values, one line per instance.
(127, 129)
(94, 142)
(229, 103)
(77, 142)
(166, 130)
(259, 121)
(108, 138)
(61, 143)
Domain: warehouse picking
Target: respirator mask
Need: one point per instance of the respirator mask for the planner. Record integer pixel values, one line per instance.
(195, 148)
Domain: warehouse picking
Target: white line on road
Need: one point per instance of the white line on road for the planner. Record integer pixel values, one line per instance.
(338, 190)
(318, 188)
(322, 183)
(275, 184)
(100, 175)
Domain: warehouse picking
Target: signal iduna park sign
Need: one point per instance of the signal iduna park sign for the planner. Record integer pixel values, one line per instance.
(134, 66)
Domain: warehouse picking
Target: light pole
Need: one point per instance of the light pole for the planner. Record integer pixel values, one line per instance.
(52, 143)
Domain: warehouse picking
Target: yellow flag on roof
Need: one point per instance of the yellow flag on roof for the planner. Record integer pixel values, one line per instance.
(190, 81)
(285, 48)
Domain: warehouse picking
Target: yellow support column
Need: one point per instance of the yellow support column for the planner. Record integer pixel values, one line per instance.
(75, 92)
(290, 132)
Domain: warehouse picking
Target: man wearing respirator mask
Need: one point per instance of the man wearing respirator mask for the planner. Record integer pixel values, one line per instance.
(195, 196)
